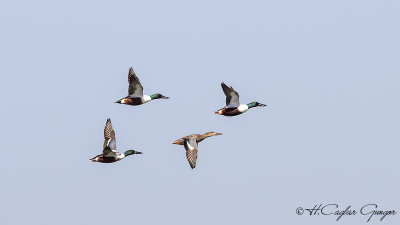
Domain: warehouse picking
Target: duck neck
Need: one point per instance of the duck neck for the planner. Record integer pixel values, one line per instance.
(252, 104)
(130, 152)
(158, 96)
(203, 136)
(155, 96)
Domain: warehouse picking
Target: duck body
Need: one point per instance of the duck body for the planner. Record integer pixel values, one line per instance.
(233, 107)
(233, 111)
(132, 100)
(113, 157)
(135, 92)
(108, 159)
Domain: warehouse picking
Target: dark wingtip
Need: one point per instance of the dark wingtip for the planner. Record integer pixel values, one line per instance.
(130, 71)
(223, 84)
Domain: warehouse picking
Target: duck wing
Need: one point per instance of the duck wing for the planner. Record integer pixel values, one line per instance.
(191, 151)
(135, 87)
(232, 97)
(110, 143)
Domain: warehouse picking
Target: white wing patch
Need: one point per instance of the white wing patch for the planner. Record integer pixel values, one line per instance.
(111, 144)
(191, 147)
(190, 144)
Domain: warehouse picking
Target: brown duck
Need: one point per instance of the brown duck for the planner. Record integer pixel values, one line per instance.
(191, 145)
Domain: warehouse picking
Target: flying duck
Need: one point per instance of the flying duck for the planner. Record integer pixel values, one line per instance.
(135, 92)
(110, 153)
(190, 143)
(233, 107)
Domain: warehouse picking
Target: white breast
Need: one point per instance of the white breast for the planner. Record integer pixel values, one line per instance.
(146, 98)
(243, 108)
(120, 156)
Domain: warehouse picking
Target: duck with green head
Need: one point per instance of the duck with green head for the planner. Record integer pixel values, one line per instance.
(110, 153)
(135, 92)
(233, 107)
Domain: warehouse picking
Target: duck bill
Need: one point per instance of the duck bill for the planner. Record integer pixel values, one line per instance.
(218, 134)
(218, 112)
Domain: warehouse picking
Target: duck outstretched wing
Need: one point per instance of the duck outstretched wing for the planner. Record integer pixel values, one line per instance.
(110, 143)
(191, 151)
(232, 97)
(135, 87)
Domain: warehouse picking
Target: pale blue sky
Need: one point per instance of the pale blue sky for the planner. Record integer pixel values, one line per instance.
(328, 71)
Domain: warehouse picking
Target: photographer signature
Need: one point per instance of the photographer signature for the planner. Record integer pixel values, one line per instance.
(370, 210)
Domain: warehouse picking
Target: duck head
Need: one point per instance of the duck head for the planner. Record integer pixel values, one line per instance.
(255, 104)
(158, 96)
(131, 152)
